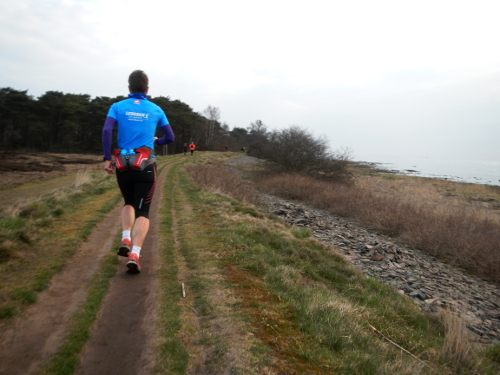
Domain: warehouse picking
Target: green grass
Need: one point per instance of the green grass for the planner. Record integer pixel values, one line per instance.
(329, 301)
(493, 353)
(33, 249)
(173, 356)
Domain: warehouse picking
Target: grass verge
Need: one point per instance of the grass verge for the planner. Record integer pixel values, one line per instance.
(294, 305)
(173, 356)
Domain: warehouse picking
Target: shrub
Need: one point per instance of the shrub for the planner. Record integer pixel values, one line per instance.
(298, 150)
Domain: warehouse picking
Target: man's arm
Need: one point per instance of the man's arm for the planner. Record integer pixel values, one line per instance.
(107, 137)
(168, 136)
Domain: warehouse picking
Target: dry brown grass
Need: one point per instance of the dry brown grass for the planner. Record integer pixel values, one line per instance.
(457, 351)
(82, 177)
(452, 227)
(217, 179)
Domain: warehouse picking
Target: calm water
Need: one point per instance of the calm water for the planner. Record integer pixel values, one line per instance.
(474, 171)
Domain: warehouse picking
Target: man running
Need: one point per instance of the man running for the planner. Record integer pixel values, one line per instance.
(137, 120)
(192, 147)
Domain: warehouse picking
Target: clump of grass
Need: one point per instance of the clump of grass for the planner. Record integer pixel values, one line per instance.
(24, 294)
(457, 352)
(82, 178)
(7, 312)
(7, 248)
(493, 353)
(34, 210)
(301, 232)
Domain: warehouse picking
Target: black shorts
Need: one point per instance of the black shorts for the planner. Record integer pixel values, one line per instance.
(137, 188)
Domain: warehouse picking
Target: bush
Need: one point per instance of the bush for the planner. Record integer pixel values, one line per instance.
(297, 150)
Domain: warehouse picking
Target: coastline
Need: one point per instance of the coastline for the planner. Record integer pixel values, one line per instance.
(483, 172)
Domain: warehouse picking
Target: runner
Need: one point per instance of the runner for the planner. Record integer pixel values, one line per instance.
(192, 147)
(185, 148)
(137, 120)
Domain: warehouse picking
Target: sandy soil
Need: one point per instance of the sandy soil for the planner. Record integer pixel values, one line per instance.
(124, 335)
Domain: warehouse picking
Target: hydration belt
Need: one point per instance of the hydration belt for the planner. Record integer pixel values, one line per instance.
(133, 158)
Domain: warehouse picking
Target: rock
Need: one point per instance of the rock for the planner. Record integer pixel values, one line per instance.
(280, 213)
(495, 314)
(418, 294)
(390, 257)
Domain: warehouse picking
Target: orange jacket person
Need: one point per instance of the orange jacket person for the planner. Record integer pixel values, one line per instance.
(192, 147)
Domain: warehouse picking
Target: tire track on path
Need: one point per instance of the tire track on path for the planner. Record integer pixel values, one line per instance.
(38, 332)
(124, 337)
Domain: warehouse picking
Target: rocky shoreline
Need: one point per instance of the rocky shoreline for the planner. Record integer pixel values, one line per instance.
(430, 283)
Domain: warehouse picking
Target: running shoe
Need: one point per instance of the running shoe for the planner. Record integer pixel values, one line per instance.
(133, 263)
(124, 248)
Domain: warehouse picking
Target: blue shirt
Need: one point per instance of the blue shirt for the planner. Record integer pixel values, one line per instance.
(137, 120)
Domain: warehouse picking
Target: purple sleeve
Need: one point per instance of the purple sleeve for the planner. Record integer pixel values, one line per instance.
(107, 136)
(167, 138)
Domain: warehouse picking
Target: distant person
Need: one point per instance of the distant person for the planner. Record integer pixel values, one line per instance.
(227, 148)
(185, 148)
(192, 147)
(243, 149)
(137, 120)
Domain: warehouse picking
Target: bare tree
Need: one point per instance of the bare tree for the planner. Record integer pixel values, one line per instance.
(197, 133)
(212, 115)
(258, 139)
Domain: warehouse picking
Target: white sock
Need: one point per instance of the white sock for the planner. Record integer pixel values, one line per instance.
(126, 235)
(136, 250)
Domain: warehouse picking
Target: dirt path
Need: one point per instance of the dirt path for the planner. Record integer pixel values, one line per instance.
(36, 334)
(122, 338)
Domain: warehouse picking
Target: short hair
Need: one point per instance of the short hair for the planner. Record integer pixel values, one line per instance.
(138, 81)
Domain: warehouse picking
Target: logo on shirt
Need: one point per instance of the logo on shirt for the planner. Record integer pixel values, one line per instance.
(136, 116)
(137, 102)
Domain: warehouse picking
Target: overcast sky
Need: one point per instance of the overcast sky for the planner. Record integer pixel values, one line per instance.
(414, 78)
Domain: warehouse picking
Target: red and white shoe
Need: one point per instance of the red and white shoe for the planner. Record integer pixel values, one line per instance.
(133, 263)
(125, 247)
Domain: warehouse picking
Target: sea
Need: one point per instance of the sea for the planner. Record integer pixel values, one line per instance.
(485, 172)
